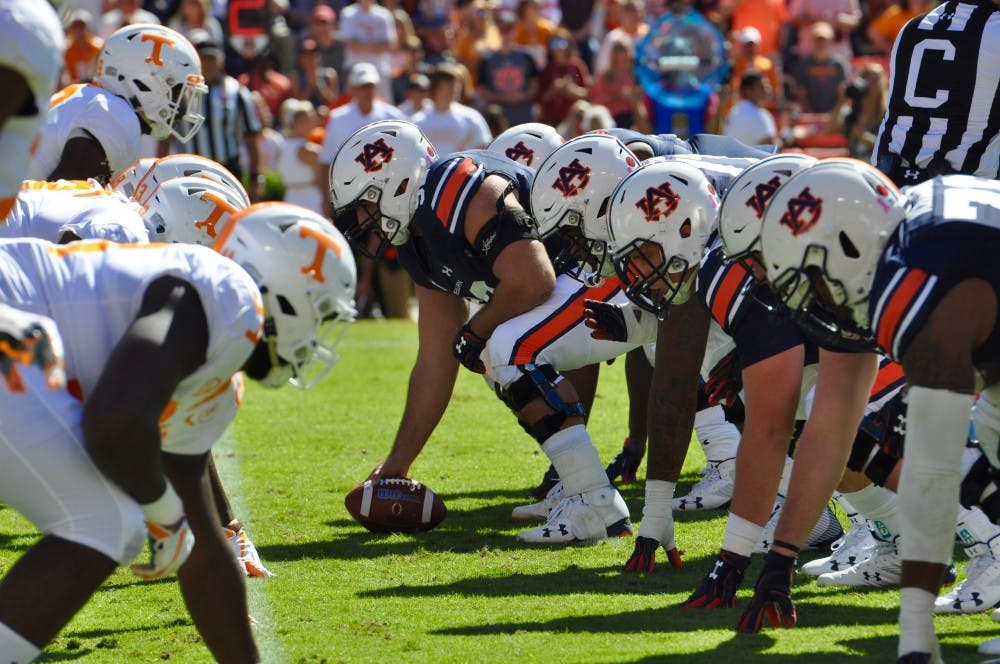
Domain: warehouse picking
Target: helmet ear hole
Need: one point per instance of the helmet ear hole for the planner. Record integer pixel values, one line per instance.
(403, 186)
(847, 246)
(285, 305)
(139, 84)
(685, 229)
(604, 207)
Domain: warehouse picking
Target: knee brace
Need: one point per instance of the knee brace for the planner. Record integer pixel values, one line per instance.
(540, 381)
(981, 488)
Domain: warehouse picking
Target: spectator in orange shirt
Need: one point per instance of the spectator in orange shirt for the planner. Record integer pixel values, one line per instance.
(272, 85)
(533, 30)
(632, 27)
(768, 17)
(883, 28)
(82, 47)
(478, 35)
(747, 57)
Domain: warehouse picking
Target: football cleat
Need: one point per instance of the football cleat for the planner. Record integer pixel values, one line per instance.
(245, 552)
(714, 491)
(882, 569)
(772, 597)
(855, 547)
(717, 589)
(542, 508)
(826, 530)
(627, 462)
(583, 518)
(549, 480)
(978, 592)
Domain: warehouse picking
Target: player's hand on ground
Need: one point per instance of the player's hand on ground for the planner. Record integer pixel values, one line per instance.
(772, 601)
(626, 463)
(29, 339)
(643, 557)
(169, 545)
(606, 321)
(467, 347)
(386, 470)
(244, 550)
(717, 589)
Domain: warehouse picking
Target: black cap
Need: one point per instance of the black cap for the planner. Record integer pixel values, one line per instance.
(203, 42)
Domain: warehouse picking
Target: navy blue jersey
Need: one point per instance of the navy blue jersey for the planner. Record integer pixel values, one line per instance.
(662, 145)
(951, 233)
(747, 311)
(437, 254)
(668, 145)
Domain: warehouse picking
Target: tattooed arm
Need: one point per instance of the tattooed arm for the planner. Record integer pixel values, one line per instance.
(673, 394)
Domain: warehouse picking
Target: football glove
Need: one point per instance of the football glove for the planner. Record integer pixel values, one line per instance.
(627, 462)
(772, 596)
(29, 339)
(467, 347)
(717, 589)
(607, 321)
(169, 547)
(244, 550)
(644, 556)
(725, 381)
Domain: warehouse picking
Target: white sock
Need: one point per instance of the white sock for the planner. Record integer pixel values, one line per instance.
(14, 648)
(576, 460)
(719, 438)
(916, 622)
(741, 535)
(881, 507)
(657, 513)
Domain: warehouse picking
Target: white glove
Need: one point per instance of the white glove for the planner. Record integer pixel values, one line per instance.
(169, 545)
(245, 552)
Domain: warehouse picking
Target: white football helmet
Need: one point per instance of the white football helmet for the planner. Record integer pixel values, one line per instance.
(570, 196)
(125, 183)
(190, 210)
(383, 163)
(823, 234)
(527, 144)
(158, 72)
(183, 165)
(307, 276)
(659, 221)
(741, 211)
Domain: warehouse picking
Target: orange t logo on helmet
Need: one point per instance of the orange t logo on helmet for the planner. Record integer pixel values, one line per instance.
(158, 42)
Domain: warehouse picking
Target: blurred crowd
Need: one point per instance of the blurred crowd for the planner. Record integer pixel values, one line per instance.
(291, 79)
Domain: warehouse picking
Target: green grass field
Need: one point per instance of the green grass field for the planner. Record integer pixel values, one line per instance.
(466, 591)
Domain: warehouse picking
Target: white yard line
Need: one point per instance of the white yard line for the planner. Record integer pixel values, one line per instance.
(265, 631)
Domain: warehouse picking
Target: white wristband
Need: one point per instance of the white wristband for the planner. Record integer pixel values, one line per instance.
(166, 509)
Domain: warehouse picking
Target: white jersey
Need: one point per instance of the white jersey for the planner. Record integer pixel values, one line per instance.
(93, 291)
(31, 43)
(88, 110)
(85, 208)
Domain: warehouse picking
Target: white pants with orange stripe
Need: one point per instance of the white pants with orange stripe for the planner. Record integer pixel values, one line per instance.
(553, 333)
(47, 475)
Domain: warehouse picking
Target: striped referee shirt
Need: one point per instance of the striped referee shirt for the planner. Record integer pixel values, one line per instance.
(230, 117)
(944, 102)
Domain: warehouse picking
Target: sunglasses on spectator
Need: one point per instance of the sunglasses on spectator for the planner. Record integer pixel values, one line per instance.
(558, 43)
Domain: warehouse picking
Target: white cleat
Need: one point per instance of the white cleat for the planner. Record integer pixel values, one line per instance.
(541, 509)
(855, 547)
(245, 552)
(978, 592)
(826, 530)
(882, 569)
(991, 647)
(583, 518)
(713, 491)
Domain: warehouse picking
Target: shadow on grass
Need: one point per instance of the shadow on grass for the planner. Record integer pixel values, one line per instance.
(71, 644)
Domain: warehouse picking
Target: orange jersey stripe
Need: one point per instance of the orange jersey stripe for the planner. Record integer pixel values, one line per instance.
(887, 374)
(451, 189)
(570, 314)
(6, 204)
(725, 293)
(907, 289)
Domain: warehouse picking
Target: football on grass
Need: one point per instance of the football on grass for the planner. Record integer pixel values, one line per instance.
(395, 506)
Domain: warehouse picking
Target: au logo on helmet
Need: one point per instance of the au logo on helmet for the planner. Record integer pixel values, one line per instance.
(572, 178)
(761, 195)
(374, 155)
(802, 213)
(658, 202)
(521, 153)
